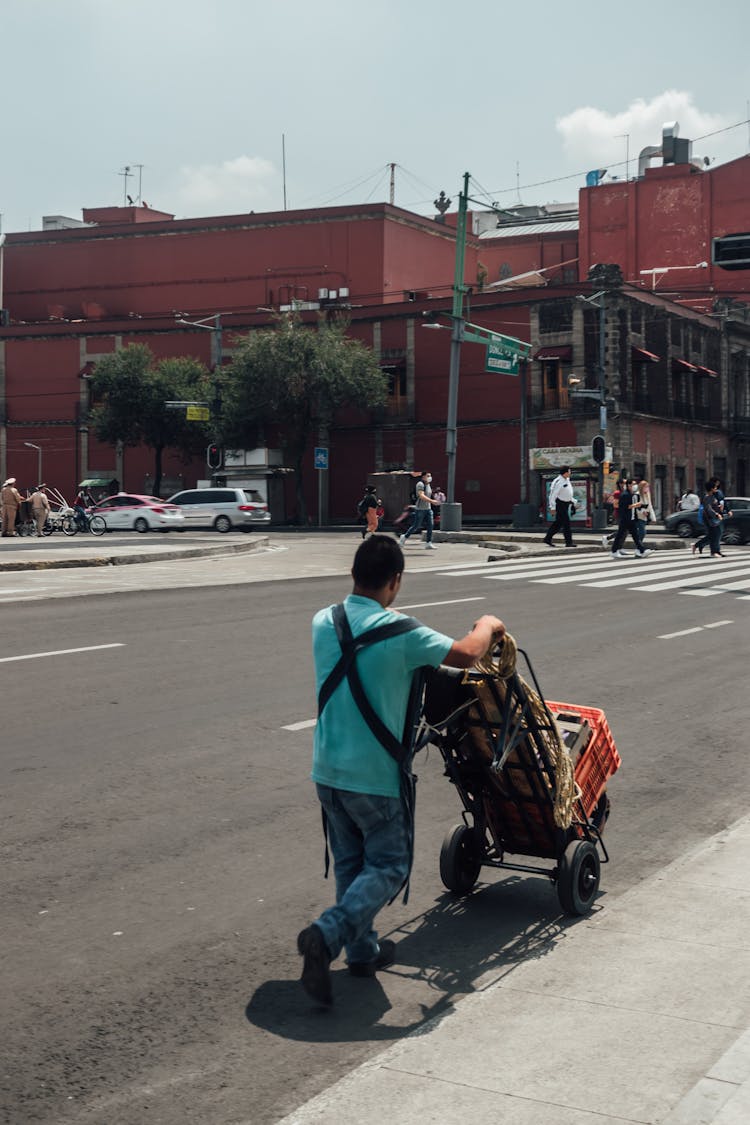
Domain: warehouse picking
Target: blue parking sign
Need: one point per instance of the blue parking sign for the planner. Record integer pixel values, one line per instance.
(321, 457)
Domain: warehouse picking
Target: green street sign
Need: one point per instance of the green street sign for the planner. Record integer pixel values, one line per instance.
(500, 358)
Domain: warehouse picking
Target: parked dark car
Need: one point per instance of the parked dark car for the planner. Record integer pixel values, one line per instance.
(736, 526)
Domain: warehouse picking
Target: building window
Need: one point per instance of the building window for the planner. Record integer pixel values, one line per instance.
(554, 386)
(556, 316)
(395, 370)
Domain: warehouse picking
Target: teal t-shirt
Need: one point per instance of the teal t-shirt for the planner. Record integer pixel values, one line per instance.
(346, 754)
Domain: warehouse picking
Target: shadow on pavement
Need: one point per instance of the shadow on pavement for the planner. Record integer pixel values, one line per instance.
(459, 946)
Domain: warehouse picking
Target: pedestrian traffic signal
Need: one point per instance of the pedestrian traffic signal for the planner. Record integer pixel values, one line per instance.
(598, 452)
(214, 456)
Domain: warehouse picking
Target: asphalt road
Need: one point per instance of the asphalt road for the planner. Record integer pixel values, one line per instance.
(161, 844)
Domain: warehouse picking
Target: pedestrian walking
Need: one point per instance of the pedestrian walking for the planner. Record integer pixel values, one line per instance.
(644, 513)
(712, 517)
(690, 501)
(39, 507)
(613, 501)
(561, 501)
(10, 502)
(423, 517)
(626, 523)
(723, 508)
(366, 656)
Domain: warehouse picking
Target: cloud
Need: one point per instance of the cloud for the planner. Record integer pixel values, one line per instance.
(245, 183)
(594, 138)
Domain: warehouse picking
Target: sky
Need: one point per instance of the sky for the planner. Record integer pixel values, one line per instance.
(202, 99)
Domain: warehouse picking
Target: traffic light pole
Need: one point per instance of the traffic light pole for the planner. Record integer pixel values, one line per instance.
(602, 391)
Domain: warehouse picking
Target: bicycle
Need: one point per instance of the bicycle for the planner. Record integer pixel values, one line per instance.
(95, 524)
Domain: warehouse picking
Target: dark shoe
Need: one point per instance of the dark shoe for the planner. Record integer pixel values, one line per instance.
(549, 542)
(316, 978)
(385, 957)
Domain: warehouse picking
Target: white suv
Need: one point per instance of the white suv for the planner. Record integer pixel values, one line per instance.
(222, 508)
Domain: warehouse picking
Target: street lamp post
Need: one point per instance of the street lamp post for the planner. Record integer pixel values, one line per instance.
(507, 360)
(450, 513)
(217, 340)
(217, 353)
(38, 449)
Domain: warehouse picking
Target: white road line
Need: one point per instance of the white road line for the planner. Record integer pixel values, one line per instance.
(696, 581)
(454, 601)
(59, 652)
(695, 629)
(22, 590)
(629, 569)
(304, 725)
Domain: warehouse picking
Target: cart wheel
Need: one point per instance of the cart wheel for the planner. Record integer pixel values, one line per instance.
(578, 877)
(460, 859)
(69, 525)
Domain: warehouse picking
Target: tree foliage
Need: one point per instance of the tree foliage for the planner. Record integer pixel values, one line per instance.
(129, 390)
(294, 379)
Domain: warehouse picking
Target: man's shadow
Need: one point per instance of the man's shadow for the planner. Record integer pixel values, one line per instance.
(458, 946)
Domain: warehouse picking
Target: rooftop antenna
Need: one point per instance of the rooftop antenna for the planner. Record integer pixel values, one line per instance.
(283, 165)
(626, 137)
(392, 196)
(140, 182)
(518, 183)
(126, 174)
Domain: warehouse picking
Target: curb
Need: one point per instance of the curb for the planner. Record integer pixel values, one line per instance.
(129, 560)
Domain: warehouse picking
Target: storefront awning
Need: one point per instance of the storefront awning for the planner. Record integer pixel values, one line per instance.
(557, 351)
(683, 364)
(640, 355)
(707, 371)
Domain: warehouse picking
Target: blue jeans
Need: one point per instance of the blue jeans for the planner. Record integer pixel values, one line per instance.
(370, 841)
(422, 518)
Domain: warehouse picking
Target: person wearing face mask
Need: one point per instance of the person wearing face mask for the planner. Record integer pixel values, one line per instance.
(423, 512)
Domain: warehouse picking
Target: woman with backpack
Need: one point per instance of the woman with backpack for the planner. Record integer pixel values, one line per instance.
(712, 517)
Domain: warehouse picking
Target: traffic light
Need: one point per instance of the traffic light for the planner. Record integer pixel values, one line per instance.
(597, 449)
(214, 456)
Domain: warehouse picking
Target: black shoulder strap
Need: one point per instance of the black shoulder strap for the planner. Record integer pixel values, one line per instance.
(346, 667)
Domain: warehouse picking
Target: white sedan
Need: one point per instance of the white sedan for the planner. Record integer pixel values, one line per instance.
(127, 511)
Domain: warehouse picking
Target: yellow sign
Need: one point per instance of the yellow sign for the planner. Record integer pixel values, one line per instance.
(197, 413)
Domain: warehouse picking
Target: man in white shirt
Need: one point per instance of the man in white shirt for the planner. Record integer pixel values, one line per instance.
(560, 501)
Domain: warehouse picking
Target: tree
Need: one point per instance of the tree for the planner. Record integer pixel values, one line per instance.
(129, 390)
(295, 378)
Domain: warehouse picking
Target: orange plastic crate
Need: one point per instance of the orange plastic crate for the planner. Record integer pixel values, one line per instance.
(599, 760)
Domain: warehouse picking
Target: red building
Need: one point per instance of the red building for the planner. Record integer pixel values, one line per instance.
(676, 339)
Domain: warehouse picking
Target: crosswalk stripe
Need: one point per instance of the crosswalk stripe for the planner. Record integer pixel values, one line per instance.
(696, 581)
(608, 566)
(663, 570)
(619, 574)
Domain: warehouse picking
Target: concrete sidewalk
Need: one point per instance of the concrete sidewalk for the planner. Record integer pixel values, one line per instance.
(638, 1013)
(55, 553)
